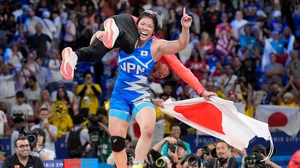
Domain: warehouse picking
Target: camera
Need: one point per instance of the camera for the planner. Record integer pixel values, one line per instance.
(94, 129)
(130, 156)
(193, 161)
(255, 158)
(172, 147)
(160, 163)
(31, 136)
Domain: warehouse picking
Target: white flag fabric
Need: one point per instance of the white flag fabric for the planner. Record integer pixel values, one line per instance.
(218, 118)
(286, 119)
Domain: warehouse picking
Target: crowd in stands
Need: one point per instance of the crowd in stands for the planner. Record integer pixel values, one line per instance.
(246, 51)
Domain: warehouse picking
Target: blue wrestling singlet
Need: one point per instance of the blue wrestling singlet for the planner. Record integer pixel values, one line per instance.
(131, 91)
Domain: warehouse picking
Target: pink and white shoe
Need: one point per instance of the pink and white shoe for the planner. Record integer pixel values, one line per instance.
(69, 60)
(111, 33)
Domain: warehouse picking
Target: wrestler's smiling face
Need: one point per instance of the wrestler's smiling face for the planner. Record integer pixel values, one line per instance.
(146, 28)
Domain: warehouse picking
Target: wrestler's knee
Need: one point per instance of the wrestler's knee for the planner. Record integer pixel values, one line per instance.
(117, 143)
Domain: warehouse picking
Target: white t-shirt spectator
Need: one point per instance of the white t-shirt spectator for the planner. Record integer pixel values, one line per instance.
(21, 110)
(7, 86)
(54, 74)
(32, 96)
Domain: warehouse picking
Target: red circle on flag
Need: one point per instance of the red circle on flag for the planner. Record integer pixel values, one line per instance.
(277, 119)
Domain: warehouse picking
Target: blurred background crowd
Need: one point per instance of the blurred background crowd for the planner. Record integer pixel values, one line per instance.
(246, 51)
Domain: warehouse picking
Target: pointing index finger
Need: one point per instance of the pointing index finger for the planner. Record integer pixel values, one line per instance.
(184, 12)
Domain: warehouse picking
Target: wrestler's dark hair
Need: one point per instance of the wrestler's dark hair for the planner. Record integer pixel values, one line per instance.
(154, 16)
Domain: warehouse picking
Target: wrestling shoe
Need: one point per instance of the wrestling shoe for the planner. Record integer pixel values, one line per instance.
(111, 33)
(69, 60)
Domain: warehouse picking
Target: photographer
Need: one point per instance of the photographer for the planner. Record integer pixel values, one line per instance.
(22, 157)
(206, 152)
(176, 150)
(77, 138)
(99, 136)
(254, 160)
(38, 150)
(191, 161)
(224, 160)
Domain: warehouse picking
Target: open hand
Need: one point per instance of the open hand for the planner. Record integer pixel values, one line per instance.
(186, 20)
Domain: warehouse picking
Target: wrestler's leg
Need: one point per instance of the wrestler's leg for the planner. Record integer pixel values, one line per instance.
(145, 117)
(119, 119)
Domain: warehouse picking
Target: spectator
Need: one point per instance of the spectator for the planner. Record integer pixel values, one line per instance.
(277, 24)
(48, 28)
(211, 18)
(22, 156)
(54, 74)
(274, 71)
(197, 65)
(224, 33)
(32, 93)
(42, 73)
(7, 85)
(31, 22)
(293, 66)
(39, 41)
(296, 20)
(89, 93)
(238, 24)
(70, 35)
(42, 7)
(21, 40)
(287, 98)
(13, 55)
(39, 150)
(206, 48)
(50, 130)
(58, 25)
(66, 100)
(228, 79)
(250, 10)
(22, 109)
(4, 127)
(61, 119)
(3, 107)
(44, 102)
(260, 30)
(23, 75)
(85, 31)
(60, 84)
(10, 27)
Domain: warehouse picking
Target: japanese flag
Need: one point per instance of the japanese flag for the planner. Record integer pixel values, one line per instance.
(144, 53)
(218, 118)
(286, 119)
